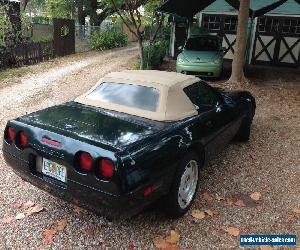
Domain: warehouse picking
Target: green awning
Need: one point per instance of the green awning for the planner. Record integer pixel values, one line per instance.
(186, 8)
(258, 12)
(189, 8)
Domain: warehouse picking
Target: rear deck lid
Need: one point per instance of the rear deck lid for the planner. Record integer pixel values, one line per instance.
(90, 124)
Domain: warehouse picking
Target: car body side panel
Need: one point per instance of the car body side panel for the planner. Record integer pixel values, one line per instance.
(158, 158)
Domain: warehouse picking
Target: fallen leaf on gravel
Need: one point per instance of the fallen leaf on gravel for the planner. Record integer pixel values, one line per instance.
(173, 238)
(75, 202)
(7, 220)
(209, 212)
(17, 205)
(266, 248)
(259, 207)
(232, 231)
(255, 196)
(28, 204)
(20, 216)
(34, 210)
(48, 236)
(229, 202)
(207, 197)
(198, 214)
(77, 209)
(164, 245)
(240, 203)
(61, 225)
(296, 210)
(132, 245)
(219, 197)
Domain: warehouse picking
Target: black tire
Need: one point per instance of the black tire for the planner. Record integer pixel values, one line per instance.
(243, 135)
(170, 203)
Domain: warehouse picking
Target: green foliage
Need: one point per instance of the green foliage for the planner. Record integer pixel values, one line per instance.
(18, 72)
(41, 38)
(102, 40)
(60, 8)
(41, 19)
(5, 26)
(26, 28)
(154, 54)
(152, 5)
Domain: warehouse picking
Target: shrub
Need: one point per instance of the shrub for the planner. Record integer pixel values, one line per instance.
(154, 54)
(41, 20)
(102, 40)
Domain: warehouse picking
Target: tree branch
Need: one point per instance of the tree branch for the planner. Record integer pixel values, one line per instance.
(160, 22)
(123, 19)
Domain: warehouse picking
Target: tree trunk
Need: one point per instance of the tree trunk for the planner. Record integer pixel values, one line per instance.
(93, 12)
(81, 13)
(237, 74)
(142, 55)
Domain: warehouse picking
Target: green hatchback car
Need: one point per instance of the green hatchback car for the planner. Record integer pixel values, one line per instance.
(202, 56)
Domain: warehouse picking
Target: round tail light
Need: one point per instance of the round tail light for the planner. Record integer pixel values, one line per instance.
(23, 139)
(10, 134)
(106, 168)
(85, 161)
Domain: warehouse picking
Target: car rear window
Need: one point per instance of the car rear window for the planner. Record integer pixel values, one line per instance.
(134, 96)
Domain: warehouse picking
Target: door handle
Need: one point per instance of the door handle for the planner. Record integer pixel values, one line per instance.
(208, 124)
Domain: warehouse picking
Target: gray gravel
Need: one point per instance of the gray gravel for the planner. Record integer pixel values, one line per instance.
(269, 164)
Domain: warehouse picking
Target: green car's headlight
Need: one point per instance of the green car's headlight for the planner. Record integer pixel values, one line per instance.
(217, 61)
(181, 59)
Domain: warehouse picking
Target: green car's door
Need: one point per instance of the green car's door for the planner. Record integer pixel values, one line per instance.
(213, 127)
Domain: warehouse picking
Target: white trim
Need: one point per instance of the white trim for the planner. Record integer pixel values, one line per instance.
(200, 19)
(281, 15)
(220, 13)
(189, 29)
(173, 39)
(254, 27)
(236, 13)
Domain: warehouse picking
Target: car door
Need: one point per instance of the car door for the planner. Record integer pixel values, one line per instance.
(214, 117)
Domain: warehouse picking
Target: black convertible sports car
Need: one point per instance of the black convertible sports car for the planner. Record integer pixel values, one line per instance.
(136, 137)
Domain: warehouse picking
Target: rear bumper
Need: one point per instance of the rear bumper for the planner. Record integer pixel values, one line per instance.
(110, 205)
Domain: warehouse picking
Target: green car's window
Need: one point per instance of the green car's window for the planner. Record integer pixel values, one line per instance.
(135, 96)
(200, 95)
(203, 44)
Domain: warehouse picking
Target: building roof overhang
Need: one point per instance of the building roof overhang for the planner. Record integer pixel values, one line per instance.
(189, 8)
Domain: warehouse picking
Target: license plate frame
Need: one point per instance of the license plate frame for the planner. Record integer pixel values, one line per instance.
(54, 170)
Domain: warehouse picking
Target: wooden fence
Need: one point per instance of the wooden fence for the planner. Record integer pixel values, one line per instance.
(34, 52)
(28, 53)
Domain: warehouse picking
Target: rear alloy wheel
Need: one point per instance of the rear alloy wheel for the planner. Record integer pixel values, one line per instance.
(184, 187)
(188, 184)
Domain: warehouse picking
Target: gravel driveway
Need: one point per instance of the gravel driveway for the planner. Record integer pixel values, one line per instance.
(268, 164)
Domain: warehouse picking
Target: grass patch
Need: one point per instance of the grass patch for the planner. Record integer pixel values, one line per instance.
(17, 72)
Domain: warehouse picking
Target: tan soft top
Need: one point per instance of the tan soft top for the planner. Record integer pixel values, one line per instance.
(173, 104)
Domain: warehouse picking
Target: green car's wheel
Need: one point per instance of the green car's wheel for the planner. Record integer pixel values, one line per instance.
(184, 187)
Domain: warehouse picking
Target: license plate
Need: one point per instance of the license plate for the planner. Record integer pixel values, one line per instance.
(54, 170)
